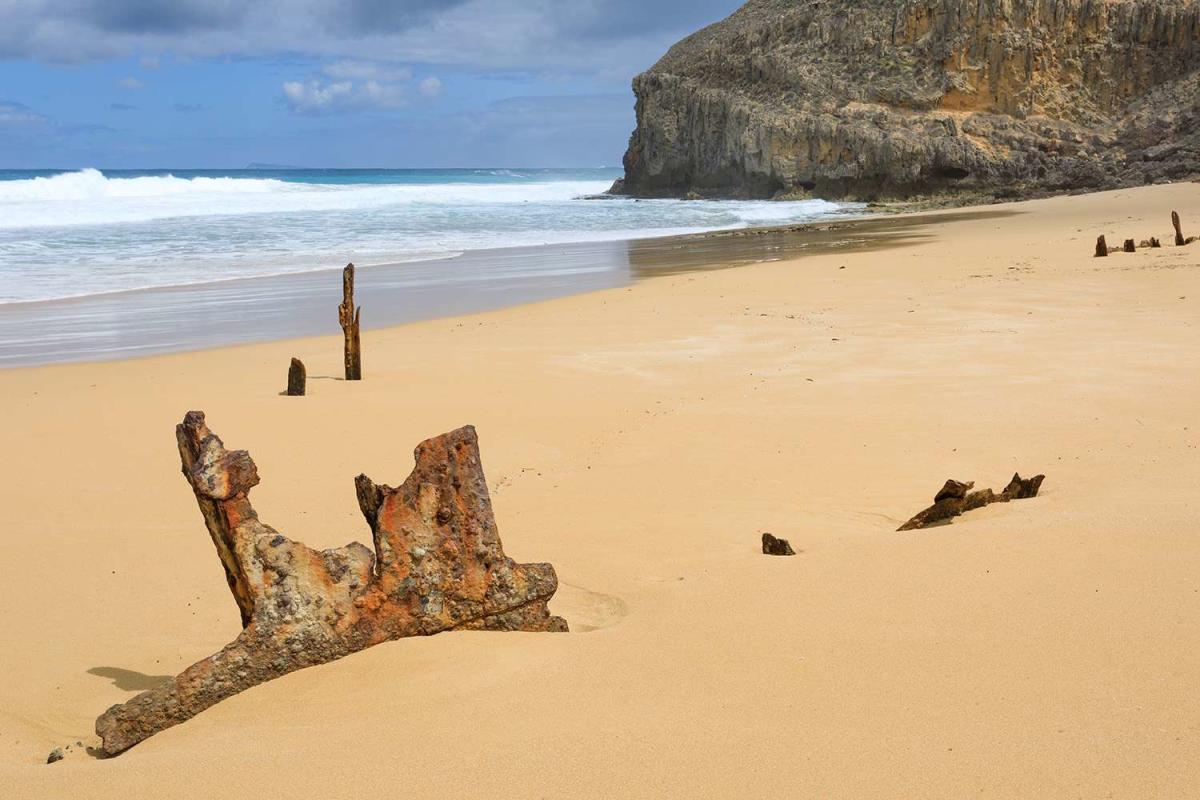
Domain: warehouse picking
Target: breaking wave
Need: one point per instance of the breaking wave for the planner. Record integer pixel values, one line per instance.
(88, 197)
(85, 232)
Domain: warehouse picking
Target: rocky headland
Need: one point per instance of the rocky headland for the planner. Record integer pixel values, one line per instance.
(885, 100)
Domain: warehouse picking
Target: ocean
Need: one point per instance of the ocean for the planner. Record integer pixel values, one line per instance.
(71, 234)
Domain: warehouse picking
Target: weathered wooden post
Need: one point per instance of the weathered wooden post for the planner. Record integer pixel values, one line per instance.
(349, 316)
(1155, 242)
(297, 378)
(1129, 247)
(1179, 240)
(1101, 247)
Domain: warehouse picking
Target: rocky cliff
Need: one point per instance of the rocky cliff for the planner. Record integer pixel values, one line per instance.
(886, 99)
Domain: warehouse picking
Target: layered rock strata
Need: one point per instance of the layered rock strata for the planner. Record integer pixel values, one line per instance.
(890, 99)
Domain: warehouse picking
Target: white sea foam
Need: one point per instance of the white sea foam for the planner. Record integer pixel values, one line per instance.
(83, 233)
(91, 184)
(90, 198)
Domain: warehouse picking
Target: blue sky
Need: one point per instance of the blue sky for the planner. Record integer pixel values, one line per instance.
(339, 83)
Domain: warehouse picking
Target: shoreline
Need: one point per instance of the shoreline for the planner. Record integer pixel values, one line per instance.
(641, 439)
(195, 316)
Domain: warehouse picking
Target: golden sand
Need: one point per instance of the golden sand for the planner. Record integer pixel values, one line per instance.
(641, 439)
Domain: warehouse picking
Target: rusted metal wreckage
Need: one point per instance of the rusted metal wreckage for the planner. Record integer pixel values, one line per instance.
(437, 565)
(956, 497)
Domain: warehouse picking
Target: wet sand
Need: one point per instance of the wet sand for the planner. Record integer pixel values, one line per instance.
(183, 318)
(641, 438)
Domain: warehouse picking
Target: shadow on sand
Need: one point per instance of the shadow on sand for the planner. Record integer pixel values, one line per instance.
(129, 681)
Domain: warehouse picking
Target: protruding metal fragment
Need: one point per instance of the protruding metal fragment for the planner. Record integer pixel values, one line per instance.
(437, 565)
(956, 498)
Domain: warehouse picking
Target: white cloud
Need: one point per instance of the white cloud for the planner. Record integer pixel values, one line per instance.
(131, 83)
(16, 114)
(315, 95)
(381, 95)
(580, 35)
(320, 97)
(149, 62)
(430, 87)
(367, 71)
(352, 85)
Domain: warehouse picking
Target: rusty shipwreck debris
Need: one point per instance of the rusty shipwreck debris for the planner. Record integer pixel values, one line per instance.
(297, 378)
(437, 565)
(772, 546)
(956, 498)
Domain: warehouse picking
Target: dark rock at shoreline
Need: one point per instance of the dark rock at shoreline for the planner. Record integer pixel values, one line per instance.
(876, 99)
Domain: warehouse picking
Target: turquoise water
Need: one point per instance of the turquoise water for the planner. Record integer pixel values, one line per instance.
(345, 176)
(87, 232)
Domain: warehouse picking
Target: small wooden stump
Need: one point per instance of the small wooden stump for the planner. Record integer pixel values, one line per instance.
(1101, 247)
(1129, 246)
(349, 317)
(776, 547)
(1179, 240)
(1154, 242)
(297, 378)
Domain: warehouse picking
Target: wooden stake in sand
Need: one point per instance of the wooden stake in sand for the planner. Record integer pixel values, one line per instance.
(349, 316)
(1179, 240)
(1101, 247)
(297, 378)
(437, 565)
(1129, 247)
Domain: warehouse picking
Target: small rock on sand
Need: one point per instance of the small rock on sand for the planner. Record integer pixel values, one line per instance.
(776, 547)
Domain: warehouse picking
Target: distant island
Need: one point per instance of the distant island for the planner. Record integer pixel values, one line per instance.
(877, 100)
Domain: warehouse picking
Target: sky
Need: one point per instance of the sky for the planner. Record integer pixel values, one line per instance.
(221, 84)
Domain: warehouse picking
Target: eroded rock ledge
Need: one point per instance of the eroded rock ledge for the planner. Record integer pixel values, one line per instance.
(895, 99)
(438, 565)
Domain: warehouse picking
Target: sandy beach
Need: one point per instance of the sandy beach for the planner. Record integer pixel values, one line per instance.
(641, 438)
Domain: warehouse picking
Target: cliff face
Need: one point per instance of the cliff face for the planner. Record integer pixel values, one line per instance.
(877, 99)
